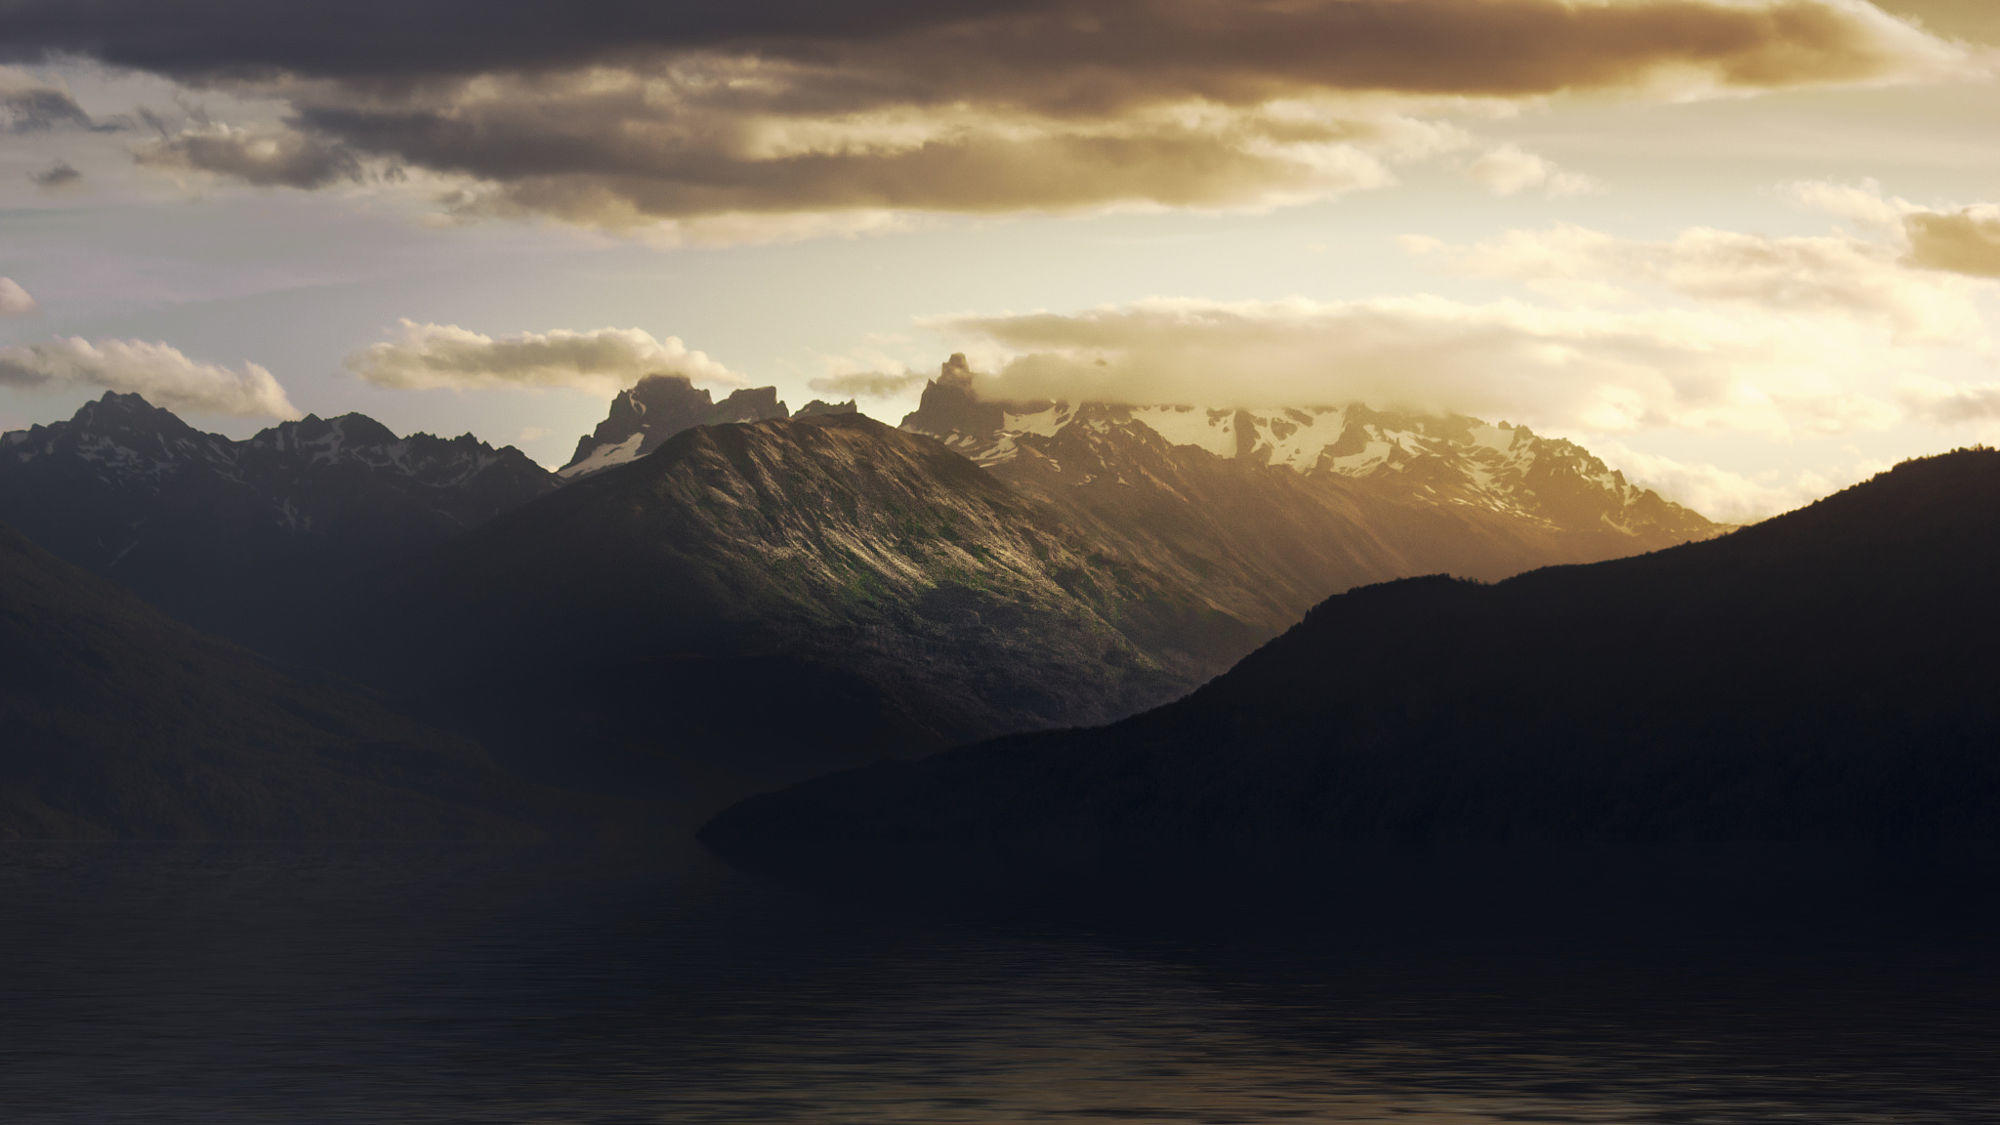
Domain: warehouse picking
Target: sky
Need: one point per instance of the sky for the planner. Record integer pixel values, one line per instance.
(1747, 251)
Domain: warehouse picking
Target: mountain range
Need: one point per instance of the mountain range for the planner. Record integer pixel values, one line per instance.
(224, 534)
(1824, 677)
(1267, 514)
(717, 597)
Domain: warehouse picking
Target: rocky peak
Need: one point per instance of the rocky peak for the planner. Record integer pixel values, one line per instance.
(116, 413)
(818, 406)
(657, 408)
(331, 435)
(950, 407)
(749, 404)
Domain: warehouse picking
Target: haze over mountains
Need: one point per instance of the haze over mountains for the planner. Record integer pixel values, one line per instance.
(717, 597)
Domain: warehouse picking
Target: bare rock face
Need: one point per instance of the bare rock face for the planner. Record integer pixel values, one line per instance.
(951, 408)
(818, 406)
(657, 408)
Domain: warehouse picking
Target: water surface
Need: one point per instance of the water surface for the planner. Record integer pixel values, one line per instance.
(449, 984)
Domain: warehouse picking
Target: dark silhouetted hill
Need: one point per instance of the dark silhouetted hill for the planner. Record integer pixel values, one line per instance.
(1827, 676)
(117, 722)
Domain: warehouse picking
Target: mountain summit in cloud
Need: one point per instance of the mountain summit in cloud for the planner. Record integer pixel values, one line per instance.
(1445, 460)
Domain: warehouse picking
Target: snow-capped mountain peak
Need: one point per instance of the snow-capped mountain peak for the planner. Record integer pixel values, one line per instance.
(1446, 459)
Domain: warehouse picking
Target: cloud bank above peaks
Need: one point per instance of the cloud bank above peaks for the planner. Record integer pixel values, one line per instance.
(1598, 370)
(1836, 275)
(162, 374)
(625, 116)
(603, 361)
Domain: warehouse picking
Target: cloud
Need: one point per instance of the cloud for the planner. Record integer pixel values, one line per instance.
(60, 176)
(1607, 371)
(14, 300)
(275, 158)
(1722, 494)
(161, 373)
(1508, 170)
(624, 158)
(1103, 50)
(1966, 241)
(1935, 400)
(29, 106)
(1861, 202)
(628, 118)
(1832, 275)
(1962, 240)
(431, 356)
(869, 384)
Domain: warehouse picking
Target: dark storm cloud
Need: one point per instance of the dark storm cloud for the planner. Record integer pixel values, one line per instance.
(45, 109)
(403, 38)
(620, 115)
(1104, 52)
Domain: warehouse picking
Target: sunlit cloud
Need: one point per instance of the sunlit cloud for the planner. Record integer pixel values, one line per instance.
(1966, 241)
(869, 384)
(162, 374)
(1573, 368)
(1831, 275)
(1946, 403)
(606, 360)
(1508, 170)
(1724, 494)
(1961, 239)
(14, 300)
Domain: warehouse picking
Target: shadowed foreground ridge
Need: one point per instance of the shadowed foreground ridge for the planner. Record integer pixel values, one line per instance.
(121, 723)
(1824, 677)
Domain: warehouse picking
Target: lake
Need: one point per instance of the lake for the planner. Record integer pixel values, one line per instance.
(366, 983)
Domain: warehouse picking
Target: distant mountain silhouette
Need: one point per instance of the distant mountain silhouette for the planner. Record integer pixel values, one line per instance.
(1826, 676)
(225, 533)
(116, 722)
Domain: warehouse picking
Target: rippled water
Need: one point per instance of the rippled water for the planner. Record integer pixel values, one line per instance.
(456, 984)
